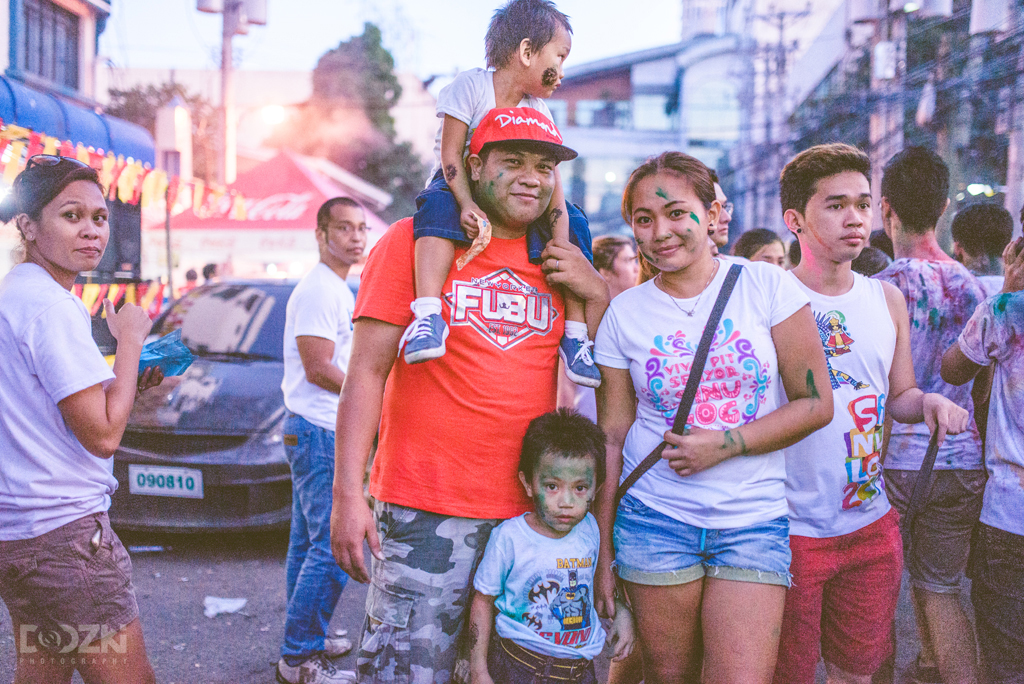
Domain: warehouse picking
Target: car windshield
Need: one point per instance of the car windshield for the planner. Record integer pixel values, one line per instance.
(236, 320)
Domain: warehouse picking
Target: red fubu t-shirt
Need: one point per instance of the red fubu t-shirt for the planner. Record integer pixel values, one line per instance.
(452, 428)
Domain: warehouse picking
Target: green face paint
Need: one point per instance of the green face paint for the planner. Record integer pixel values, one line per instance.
(695, 218)
(662, 194)
(562, 490)
(486, 190)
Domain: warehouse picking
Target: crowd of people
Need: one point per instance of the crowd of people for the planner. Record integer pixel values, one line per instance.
(765, 452)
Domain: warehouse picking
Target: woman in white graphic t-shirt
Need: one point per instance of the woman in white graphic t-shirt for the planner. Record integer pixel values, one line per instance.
(701, 540)
(64, 575)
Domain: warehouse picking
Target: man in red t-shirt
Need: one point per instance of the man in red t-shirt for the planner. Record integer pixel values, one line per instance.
(445, 470)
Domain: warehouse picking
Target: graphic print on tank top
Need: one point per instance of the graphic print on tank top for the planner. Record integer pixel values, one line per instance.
(864, 442)
(836, 341)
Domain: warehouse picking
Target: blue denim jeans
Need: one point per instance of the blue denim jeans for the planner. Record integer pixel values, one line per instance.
(314, 580)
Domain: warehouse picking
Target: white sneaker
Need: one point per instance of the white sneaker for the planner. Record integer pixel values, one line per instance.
(336, 647)
(317, 670)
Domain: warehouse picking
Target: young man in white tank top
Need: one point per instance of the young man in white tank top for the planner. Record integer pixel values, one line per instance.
(844, 536)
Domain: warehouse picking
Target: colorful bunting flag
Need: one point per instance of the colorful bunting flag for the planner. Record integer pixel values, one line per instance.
(131, 183)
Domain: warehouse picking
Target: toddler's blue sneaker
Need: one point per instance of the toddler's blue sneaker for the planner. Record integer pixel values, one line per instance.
(579, 363)
(424, 339)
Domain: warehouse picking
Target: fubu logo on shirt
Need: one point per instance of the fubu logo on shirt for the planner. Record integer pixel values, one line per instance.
(501, 307)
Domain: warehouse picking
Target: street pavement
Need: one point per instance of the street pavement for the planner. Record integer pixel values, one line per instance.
(188, 648)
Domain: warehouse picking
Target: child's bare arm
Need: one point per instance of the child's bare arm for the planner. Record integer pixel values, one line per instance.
(622, 635)
(453, 145)
(481, 619)
(557, 218)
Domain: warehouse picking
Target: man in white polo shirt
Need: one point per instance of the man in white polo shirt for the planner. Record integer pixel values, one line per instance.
(317, 344)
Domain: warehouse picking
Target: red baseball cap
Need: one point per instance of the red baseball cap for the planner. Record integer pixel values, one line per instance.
(520, 124)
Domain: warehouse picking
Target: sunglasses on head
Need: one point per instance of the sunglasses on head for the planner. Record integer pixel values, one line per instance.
(47, 160)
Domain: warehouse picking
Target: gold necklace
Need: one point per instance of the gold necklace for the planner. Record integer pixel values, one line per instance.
(696, 303)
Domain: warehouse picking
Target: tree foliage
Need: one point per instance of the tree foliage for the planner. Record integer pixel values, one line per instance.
(360, 71)
(348, 120)
(139, 104)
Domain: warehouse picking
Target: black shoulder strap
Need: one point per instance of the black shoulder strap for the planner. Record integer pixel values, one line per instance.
(692, 381)
(922, 485)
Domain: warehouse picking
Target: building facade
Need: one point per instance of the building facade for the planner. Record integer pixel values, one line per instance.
(48, 85)
(616, 112)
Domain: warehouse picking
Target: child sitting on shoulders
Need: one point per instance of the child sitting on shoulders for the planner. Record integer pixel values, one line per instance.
(538, 568)
(527, 42)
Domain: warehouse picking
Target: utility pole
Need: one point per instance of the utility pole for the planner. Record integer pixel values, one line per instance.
(227, 161)
(888, 67)
(236, 15)
(988, 17)
(744, 157)
(1014, 196)
(776, 128)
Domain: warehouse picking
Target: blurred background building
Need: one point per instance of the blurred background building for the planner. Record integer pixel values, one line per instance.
(48, 85)
(747, 84)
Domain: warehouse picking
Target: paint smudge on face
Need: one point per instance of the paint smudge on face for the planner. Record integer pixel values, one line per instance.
(695, 218)
(549, 77)
(562, 491)
(662, 194)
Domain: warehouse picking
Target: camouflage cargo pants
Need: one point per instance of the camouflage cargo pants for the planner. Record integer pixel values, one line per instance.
(419, 597)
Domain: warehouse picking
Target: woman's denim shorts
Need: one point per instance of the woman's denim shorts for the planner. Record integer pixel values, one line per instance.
(654, 549)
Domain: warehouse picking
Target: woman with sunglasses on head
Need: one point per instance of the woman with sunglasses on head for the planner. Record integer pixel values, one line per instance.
(64, 575)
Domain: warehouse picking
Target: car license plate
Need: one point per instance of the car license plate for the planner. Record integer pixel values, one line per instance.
(165, 481)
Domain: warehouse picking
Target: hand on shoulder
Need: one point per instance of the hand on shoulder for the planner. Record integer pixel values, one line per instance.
(564, 264)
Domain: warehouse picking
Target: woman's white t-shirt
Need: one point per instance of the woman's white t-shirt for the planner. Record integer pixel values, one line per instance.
(47, 478)
(468, 98)
(645, 332)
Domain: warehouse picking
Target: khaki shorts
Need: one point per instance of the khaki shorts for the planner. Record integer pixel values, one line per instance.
(66, 590)
(940, 540)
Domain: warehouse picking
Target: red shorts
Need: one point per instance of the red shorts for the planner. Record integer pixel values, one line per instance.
(842, 601)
